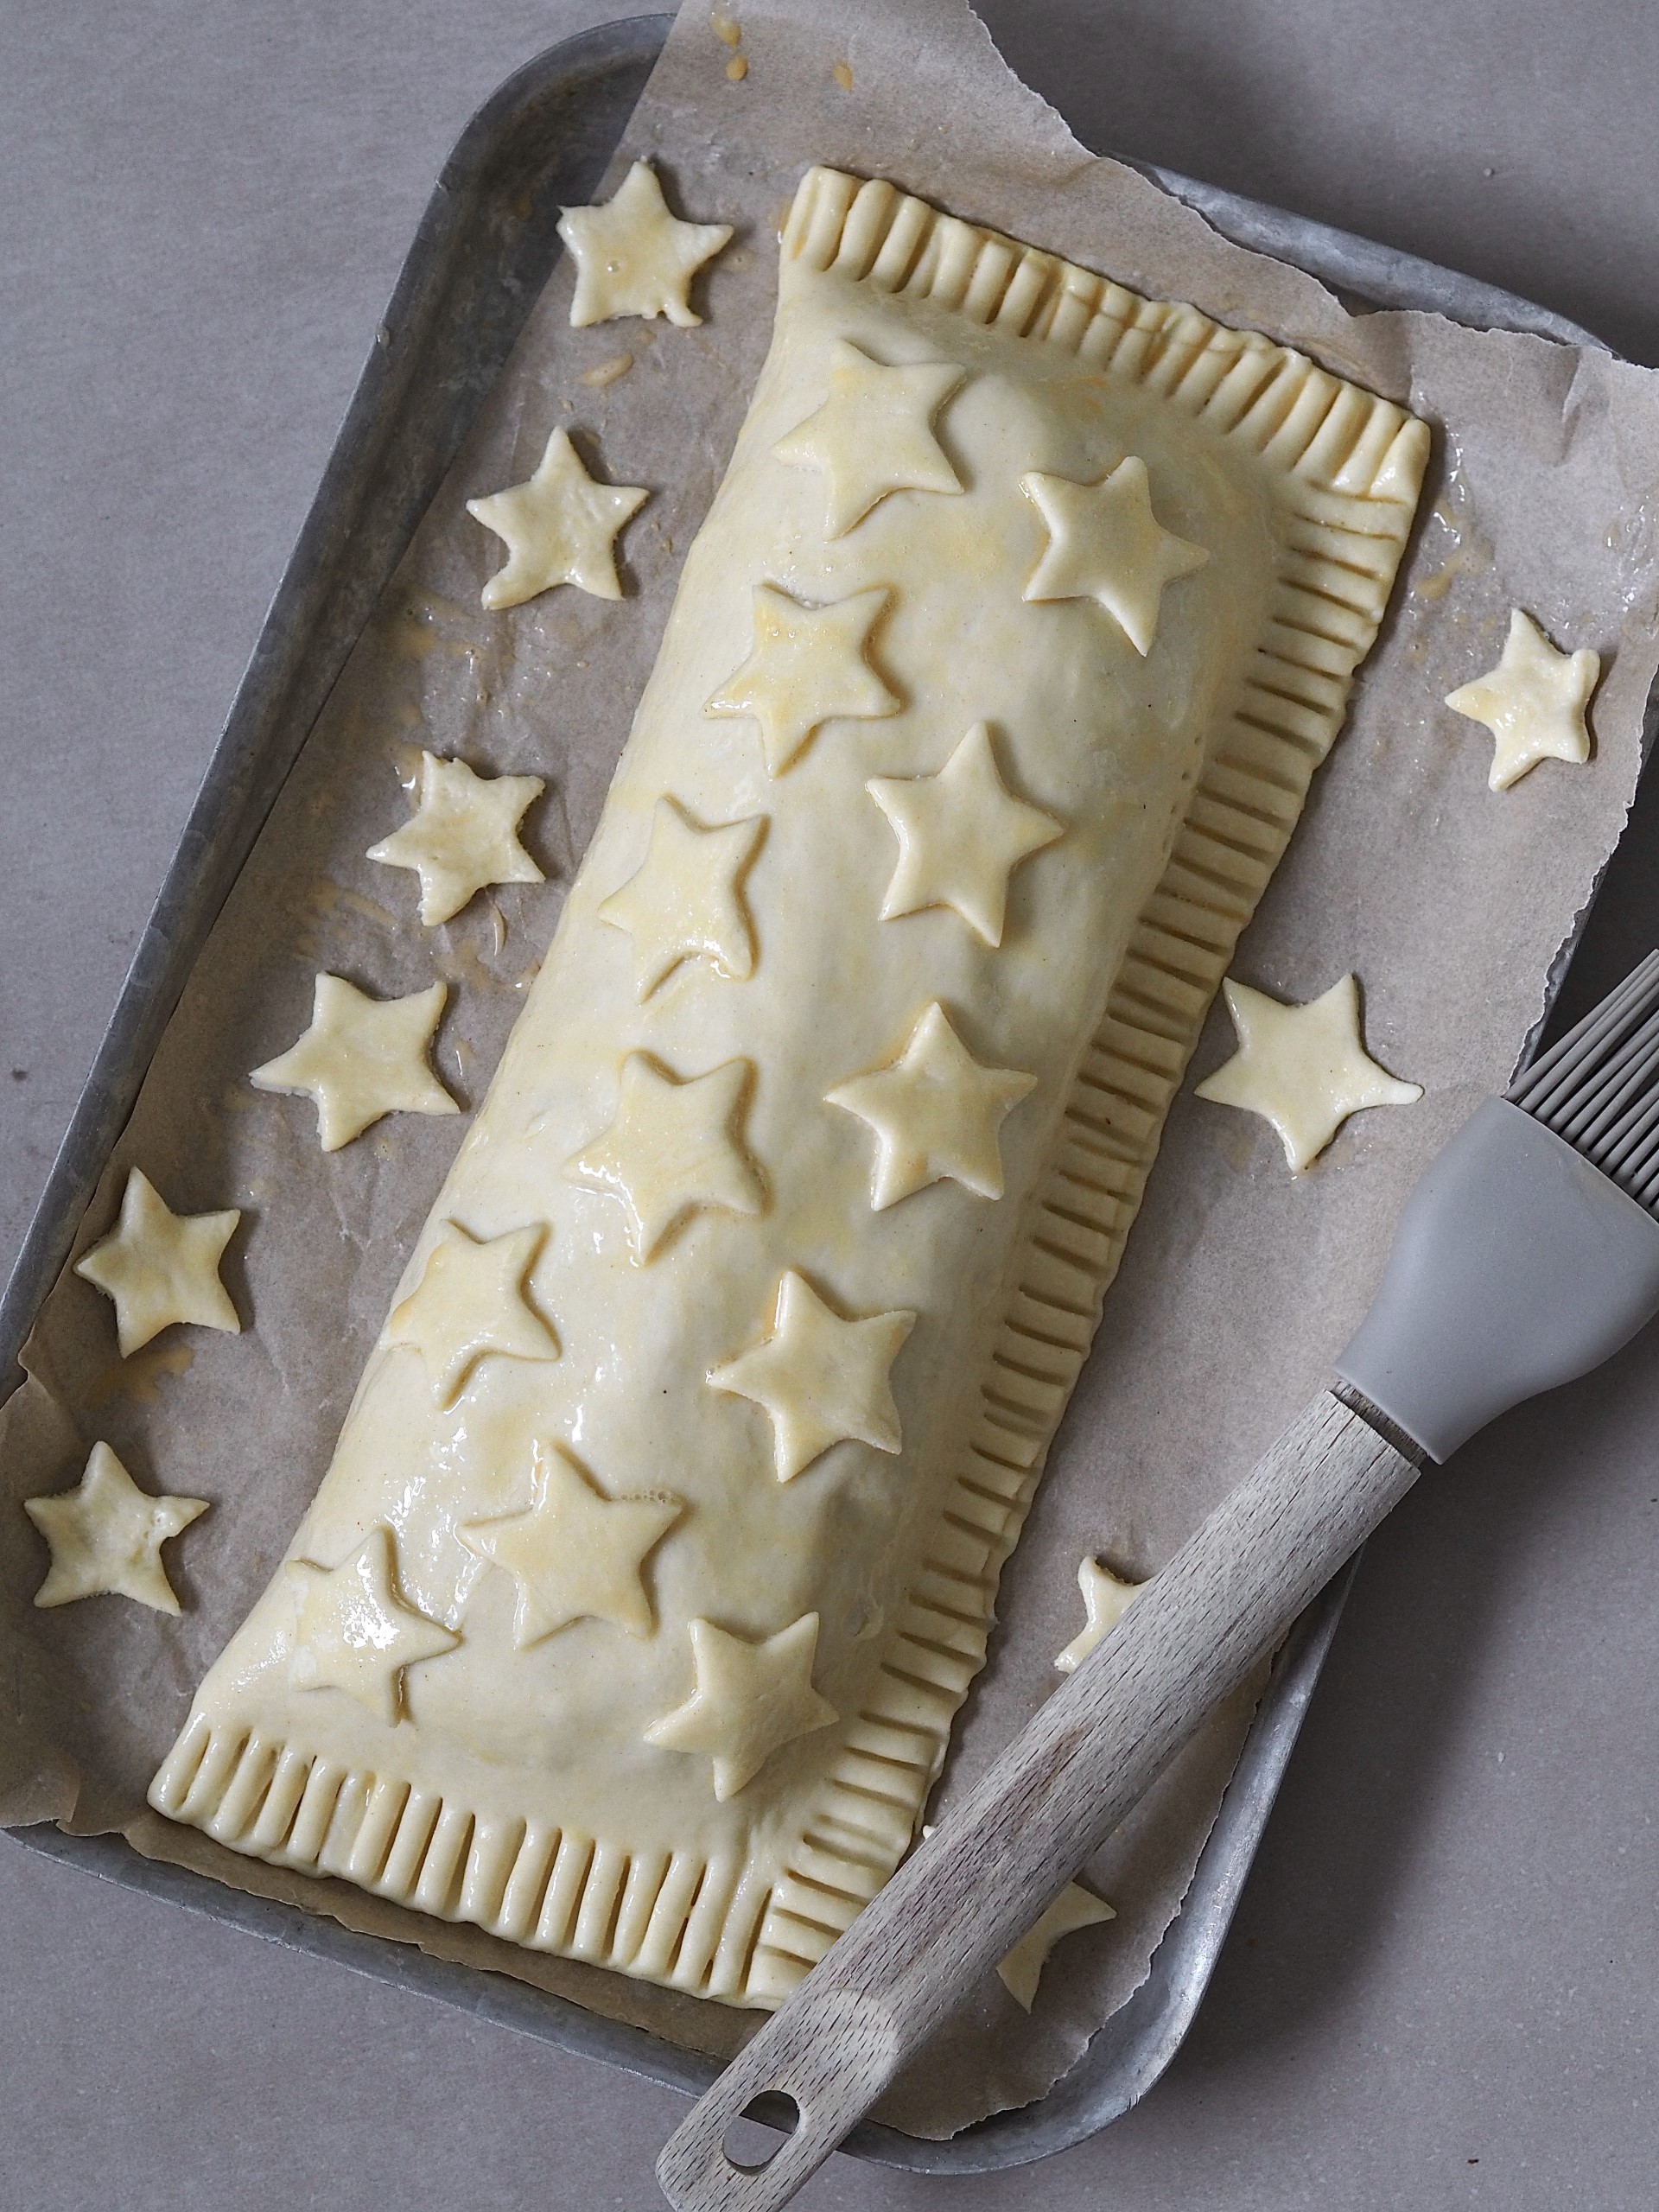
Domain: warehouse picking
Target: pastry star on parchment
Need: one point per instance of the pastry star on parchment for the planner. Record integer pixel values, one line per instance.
(633, 258)
(360, 1058)
(354, 1631)
(471, 1304)
(1302, 1068)
(684, 902)
(1105, 543)
(1105, 1598)
(462, 834)
(105, 1536)
(935, 1112)
(574, 1553)
(810, 666)
(1022, 1969)
(750, 1700)
(559, 527)
(960, 836)
(821, 1378)
(873, 435)
(672, 1147)
(1533, 702)
(160, 1267)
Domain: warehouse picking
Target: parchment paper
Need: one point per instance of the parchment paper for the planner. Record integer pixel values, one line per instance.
(1241, 1282)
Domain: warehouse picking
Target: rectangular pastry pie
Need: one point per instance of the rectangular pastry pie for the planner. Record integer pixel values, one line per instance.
(662, 1540)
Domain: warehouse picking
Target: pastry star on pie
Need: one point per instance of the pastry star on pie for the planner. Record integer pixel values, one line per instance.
(633, 258)
(960, 836)
(936, 1112)
(354, 1631)
(750, 1700)
(810, 665)
(559, 527)
(1533, 702)
(873, 435)
(470, 1304)
(574, 1554)
(361, 1058)
(1022, 1969)
(685, 900)
(822, 1379)
(463, 836)
(1302, 1068)
(160, 1267)
(672, 1147)
(105, 1536)
(1105, 543)
(1105, 1600)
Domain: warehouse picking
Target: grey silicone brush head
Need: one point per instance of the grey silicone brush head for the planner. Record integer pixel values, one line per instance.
(1529, 1251)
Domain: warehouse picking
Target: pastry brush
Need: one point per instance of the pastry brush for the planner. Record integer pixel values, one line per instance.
(1527, 1255)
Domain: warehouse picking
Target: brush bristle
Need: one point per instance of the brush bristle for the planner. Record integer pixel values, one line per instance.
(1599, 1085)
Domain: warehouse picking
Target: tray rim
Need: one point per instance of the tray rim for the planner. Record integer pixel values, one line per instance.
(1132, 2050)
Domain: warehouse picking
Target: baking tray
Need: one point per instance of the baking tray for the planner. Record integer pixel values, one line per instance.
(481, 257)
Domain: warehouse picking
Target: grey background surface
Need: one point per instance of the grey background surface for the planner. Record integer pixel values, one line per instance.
(1443, 1984)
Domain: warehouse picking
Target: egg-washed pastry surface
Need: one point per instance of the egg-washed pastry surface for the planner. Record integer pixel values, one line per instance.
(661, 1543)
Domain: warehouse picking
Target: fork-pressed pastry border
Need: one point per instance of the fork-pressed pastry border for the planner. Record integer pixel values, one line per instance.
(1345, 467)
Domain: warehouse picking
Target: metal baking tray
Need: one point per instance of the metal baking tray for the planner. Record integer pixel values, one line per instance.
(483, 251)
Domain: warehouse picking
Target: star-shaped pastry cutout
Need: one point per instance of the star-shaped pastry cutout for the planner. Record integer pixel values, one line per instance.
(105, 1536)
(471, 1304)
(822, 1379)
(160, 1267)
(1105, 1598)
(361, 1058)
(558, 528)
(960, 836)
(685, 900)
(935, 1112)
(873, 435)
(810, 666)
(633, 258)
(462, 834)
(674, 1146)
(1533, 702)
(355, 1632)
(1303, 1068)
(751, 1699)
(575, 1553)
(1022, 1969)
(1105, 543)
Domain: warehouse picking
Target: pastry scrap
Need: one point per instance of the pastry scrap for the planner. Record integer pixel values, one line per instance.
(105, 1537)
(873, 435)
(559, 527)
(361, 1058)
(1302, 1068)
(685, 900)
(633, 258)
(961, 834)
(1533, 702)
(1106, 1598)
(1105, 543)
(159, 1266)
(1022, 1969)
(833, 1160)
(463, 836)
(751, 1698)
(473, 1303)
(354, 1633)
(574, 1554)
(935, 1112)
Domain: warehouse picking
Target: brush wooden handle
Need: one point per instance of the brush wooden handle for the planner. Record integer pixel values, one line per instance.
(966, 1897)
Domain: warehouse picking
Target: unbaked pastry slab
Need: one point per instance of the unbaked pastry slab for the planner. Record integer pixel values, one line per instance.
(739, 1909)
